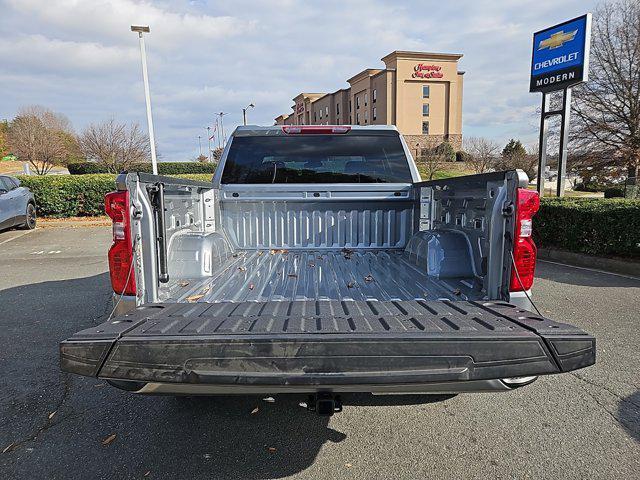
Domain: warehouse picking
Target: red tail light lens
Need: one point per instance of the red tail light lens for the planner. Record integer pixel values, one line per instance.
(317, 129)
(123, 280)
(524, 250)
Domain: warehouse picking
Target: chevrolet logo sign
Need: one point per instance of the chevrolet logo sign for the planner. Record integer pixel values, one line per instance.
(557, 40)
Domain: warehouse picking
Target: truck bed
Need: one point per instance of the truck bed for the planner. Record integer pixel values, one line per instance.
(281, 275)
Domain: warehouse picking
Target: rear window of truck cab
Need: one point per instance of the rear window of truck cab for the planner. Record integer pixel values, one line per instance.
(316, 158)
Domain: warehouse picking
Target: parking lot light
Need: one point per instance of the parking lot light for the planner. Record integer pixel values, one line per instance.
(140, 29)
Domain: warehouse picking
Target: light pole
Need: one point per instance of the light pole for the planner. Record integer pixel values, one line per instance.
(244, 112)
(209, 137)
(140, 29)
(200, 144)
(224, 138)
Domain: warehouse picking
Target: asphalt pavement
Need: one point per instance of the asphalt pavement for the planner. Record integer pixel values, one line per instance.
(54, 282)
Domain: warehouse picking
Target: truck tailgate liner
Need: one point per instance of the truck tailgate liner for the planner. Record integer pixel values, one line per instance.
(319, 343)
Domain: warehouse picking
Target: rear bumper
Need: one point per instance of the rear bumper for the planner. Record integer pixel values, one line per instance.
(164, 349)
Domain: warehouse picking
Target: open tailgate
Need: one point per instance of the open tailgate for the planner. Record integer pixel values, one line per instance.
(319, 343)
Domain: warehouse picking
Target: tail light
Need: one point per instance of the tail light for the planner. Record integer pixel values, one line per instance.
(524, 250)
(123, 280)
(317, 129)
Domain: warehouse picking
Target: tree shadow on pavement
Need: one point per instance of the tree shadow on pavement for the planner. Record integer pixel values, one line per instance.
(578, 276)
(172, 437)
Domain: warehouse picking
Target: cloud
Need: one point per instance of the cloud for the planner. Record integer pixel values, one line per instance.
(79, 57)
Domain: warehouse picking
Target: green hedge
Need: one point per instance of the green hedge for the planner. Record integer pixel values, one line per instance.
(69, 196)
(164, 168)
(592, 226)
(77, 195)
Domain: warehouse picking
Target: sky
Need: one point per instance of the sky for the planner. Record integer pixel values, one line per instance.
(79, 57)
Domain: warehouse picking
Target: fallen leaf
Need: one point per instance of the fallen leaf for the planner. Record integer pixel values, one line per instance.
(269, 399)
(368, 278)
(51, 415)
(98, 385)
(147, 473)
(351, 284)
(311, 264)
(194, 298)
(348, 465)
(254, 411)
(235, 255)
(108, 440)
(457, 292)
(8, 447)
(260, 253)
(242, 269)
(183, 284)
(251, 286)
(272, 450)
(292, 275)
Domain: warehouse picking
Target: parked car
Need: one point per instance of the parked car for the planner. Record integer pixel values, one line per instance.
(17, 204)
(318, 262)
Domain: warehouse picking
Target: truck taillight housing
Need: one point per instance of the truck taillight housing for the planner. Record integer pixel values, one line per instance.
(123, 279)
(524, 249)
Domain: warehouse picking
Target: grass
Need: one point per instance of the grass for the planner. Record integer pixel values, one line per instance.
(448, 170)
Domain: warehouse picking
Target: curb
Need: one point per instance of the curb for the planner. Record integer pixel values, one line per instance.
(614, 265)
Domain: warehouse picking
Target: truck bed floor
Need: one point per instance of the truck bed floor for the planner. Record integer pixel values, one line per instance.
(279, 275)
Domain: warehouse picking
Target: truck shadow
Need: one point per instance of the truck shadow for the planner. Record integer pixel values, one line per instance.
(172, 437)
(629, 415)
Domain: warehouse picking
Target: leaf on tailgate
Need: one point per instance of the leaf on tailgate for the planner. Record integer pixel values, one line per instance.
(109, 440)
(254, 411)
(351, 284)
(242, 269)
(51, 415)
(272, 450)
(147, 473)
(368, 278)
(194, 298)
(183, 283)
(251, 286)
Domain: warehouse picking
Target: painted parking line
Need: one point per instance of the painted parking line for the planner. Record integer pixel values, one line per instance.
(22, 234)
(631, 277)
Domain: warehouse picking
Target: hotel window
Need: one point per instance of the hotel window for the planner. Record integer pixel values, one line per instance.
(425, 128)
(357, 102)
(425, 91)
(337, 108)
(375, 112)
(358, 118)
(315, 116)
(320, 113)
(326, 111)
(366, 117)
(374, 96)
(366, 98)
(425, 109)
(349, 106)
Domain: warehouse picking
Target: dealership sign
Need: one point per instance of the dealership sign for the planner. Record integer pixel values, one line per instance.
(561, 55)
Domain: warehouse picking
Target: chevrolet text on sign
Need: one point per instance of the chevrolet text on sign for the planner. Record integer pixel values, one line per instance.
(561, 55)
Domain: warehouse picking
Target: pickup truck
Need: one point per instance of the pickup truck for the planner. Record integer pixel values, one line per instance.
(318, 262)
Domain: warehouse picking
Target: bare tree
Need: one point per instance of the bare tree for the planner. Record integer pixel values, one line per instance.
(482, 154)
(607, 107)
(32, 139)
(115, 145)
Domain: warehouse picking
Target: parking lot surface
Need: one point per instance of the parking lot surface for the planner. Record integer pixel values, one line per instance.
(54, 282)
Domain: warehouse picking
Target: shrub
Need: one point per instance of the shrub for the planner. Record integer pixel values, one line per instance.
(68, 195)
(78, 195)
(614, 192)
(593, 226)
(164, 168)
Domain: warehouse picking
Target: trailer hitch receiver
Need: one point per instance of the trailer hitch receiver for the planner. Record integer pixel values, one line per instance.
(324, 404)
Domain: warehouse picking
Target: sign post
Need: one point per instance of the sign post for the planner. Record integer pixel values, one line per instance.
(560, 60)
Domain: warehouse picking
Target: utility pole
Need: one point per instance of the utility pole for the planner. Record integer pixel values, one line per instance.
(140, 29)
(244, 113)
(209, 138)
(200, 144)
